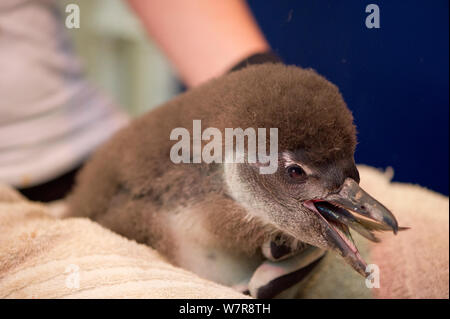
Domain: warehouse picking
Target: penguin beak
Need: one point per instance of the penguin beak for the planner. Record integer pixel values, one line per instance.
(353, 197)
(352, 207)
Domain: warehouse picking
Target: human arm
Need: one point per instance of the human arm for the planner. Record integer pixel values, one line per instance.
(202, 38)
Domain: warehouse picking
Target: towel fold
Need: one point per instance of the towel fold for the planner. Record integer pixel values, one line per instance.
(45, 257)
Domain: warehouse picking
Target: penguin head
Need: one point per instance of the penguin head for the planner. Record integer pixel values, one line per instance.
(314, 193)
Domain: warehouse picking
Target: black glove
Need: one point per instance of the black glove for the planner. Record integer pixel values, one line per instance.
(258, 58)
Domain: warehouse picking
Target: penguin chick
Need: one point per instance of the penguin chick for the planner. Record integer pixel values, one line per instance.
(222, 220)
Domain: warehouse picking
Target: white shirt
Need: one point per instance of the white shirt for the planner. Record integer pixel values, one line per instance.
(51, 118)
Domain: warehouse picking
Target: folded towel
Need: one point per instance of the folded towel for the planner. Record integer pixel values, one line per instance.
(45, 257)
(415, 263)
(42, 256)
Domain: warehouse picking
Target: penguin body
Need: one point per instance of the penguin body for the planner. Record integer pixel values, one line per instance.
(217, 219)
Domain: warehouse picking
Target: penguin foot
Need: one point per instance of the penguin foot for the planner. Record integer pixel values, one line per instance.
(272, 278)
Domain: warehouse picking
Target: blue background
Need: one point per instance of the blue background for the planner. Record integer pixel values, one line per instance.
(394, 79)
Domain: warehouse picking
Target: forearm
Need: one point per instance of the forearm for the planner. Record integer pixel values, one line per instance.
(202, 38)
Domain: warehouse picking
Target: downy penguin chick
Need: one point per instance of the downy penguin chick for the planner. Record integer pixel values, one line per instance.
(228, 222)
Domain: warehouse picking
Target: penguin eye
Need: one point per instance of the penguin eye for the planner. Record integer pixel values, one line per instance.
(295, 172)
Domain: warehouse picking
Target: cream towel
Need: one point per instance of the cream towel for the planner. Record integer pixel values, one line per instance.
(415, 263)
(45, 257)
